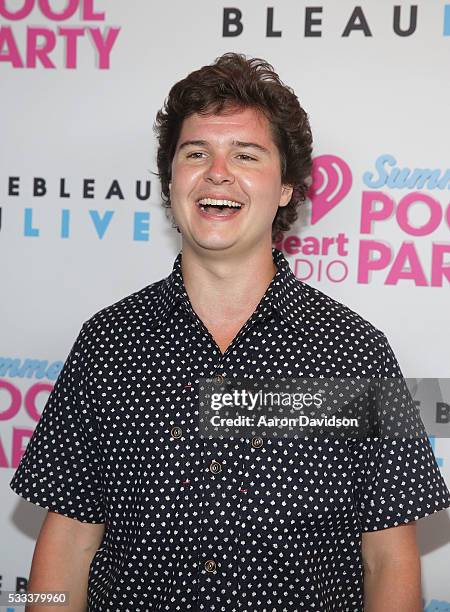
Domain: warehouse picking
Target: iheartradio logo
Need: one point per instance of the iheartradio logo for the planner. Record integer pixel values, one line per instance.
(322, 258)
(331, 182)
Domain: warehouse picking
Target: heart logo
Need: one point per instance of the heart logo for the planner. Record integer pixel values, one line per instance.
(331, 182)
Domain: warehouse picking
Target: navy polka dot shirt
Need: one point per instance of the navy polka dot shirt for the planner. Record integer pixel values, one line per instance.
(242, 524)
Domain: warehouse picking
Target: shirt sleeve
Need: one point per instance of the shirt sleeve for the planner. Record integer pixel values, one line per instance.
(60, 469)
(396, 479)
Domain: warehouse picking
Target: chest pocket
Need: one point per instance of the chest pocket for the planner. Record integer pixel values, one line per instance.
(289, 484)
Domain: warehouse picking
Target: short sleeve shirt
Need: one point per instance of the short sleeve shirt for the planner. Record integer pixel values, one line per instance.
(220, 524)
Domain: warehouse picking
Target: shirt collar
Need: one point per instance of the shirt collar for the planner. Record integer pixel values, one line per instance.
(283, 295)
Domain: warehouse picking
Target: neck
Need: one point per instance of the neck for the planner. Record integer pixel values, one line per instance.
(225, 288)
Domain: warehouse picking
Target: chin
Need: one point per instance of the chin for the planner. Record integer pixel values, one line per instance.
(209, 240)
(215, 245)
(211, 243)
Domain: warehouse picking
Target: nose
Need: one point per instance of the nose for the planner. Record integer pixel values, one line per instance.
(218, 171)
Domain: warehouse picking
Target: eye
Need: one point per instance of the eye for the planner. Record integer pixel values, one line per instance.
(195, 155)
(246, 157)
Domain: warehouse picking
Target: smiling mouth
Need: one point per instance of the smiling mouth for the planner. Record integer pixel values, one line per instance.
(212, 204)
(218, 208)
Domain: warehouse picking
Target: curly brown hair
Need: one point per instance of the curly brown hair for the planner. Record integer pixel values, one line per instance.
(233, 81)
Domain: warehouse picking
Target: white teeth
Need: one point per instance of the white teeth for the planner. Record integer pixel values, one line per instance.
(212, 202)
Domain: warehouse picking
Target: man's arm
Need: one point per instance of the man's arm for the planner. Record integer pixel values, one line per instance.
(62, 556)
(392, 580)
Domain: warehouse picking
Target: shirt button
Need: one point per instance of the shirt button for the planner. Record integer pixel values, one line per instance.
(218, 379)
(176, 432)
(215, 467)
(210, 565)
(257, 442)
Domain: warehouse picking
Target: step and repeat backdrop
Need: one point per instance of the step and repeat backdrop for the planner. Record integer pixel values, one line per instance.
(81, 224)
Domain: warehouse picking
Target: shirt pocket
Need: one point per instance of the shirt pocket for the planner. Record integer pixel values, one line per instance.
(289, 484)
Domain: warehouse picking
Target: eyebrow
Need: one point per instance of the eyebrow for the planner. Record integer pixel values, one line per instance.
(237, 143)
(254, 145)
(194, 143)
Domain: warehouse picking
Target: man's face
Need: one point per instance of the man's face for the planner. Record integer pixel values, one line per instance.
(229, 157)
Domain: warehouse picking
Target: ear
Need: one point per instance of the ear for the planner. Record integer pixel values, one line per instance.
(286, 195)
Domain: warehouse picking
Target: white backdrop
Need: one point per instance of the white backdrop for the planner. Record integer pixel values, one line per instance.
(81, 82)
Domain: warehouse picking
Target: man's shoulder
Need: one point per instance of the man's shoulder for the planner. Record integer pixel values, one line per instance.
(343, 338)
(319, 310)
(136, 310)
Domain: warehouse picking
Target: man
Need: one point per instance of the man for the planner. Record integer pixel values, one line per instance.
(144, 513)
